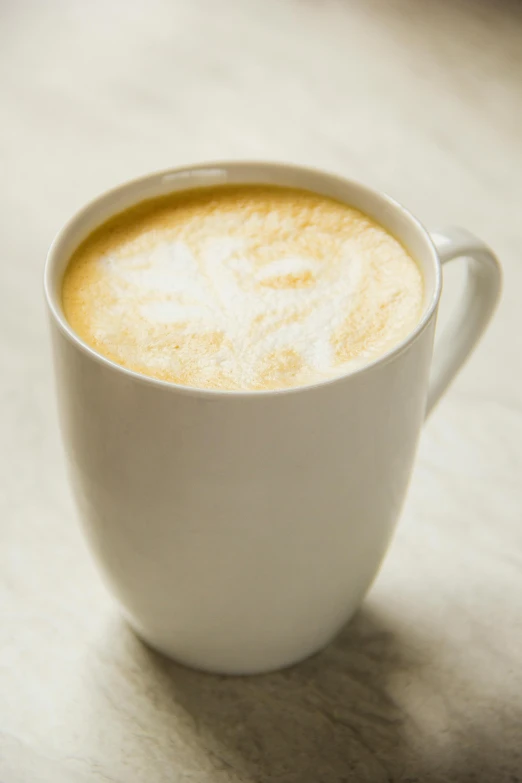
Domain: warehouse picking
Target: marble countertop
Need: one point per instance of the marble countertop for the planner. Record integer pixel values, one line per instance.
(422, 99)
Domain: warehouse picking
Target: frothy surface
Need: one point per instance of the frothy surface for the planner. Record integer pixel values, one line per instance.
(247, 287)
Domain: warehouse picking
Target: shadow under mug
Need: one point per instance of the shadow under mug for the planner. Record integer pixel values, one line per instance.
(240, 530)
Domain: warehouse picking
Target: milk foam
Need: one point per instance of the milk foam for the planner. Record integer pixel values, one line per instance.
(232, 296)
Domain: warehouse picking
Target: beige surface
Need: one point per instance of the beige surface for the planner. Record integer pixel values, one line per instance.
(420, 98)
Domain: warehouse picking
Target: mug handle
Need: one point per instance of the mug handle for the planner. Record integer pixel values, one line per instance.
(484, 279)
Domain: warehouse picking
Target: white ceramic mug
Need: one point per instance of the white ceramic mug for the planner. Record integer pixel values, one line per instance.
(241, 530)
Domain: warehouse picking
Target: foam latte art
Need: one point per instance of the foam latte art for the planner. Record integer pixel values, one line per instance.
(242, 288)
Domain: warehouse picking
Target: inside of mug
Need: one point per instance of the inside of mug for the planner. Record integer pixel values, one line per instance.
(391, 216)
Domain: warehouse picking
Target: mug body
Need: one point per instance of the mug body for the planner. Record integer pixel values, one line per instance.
(240, 530)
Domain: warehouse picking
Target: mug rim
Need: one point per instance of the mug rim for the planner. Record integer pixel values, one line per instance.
(228, 165)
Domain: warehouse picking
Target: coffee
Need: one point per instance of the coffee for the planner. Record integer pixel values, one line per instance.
(248, 287)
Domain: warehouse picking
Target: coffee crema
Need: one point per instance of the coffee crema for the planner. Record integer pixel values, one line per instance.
(248, 287)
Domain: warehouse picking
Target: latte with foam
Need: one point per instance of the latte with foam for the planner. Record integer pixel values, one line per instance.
(248, 287)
